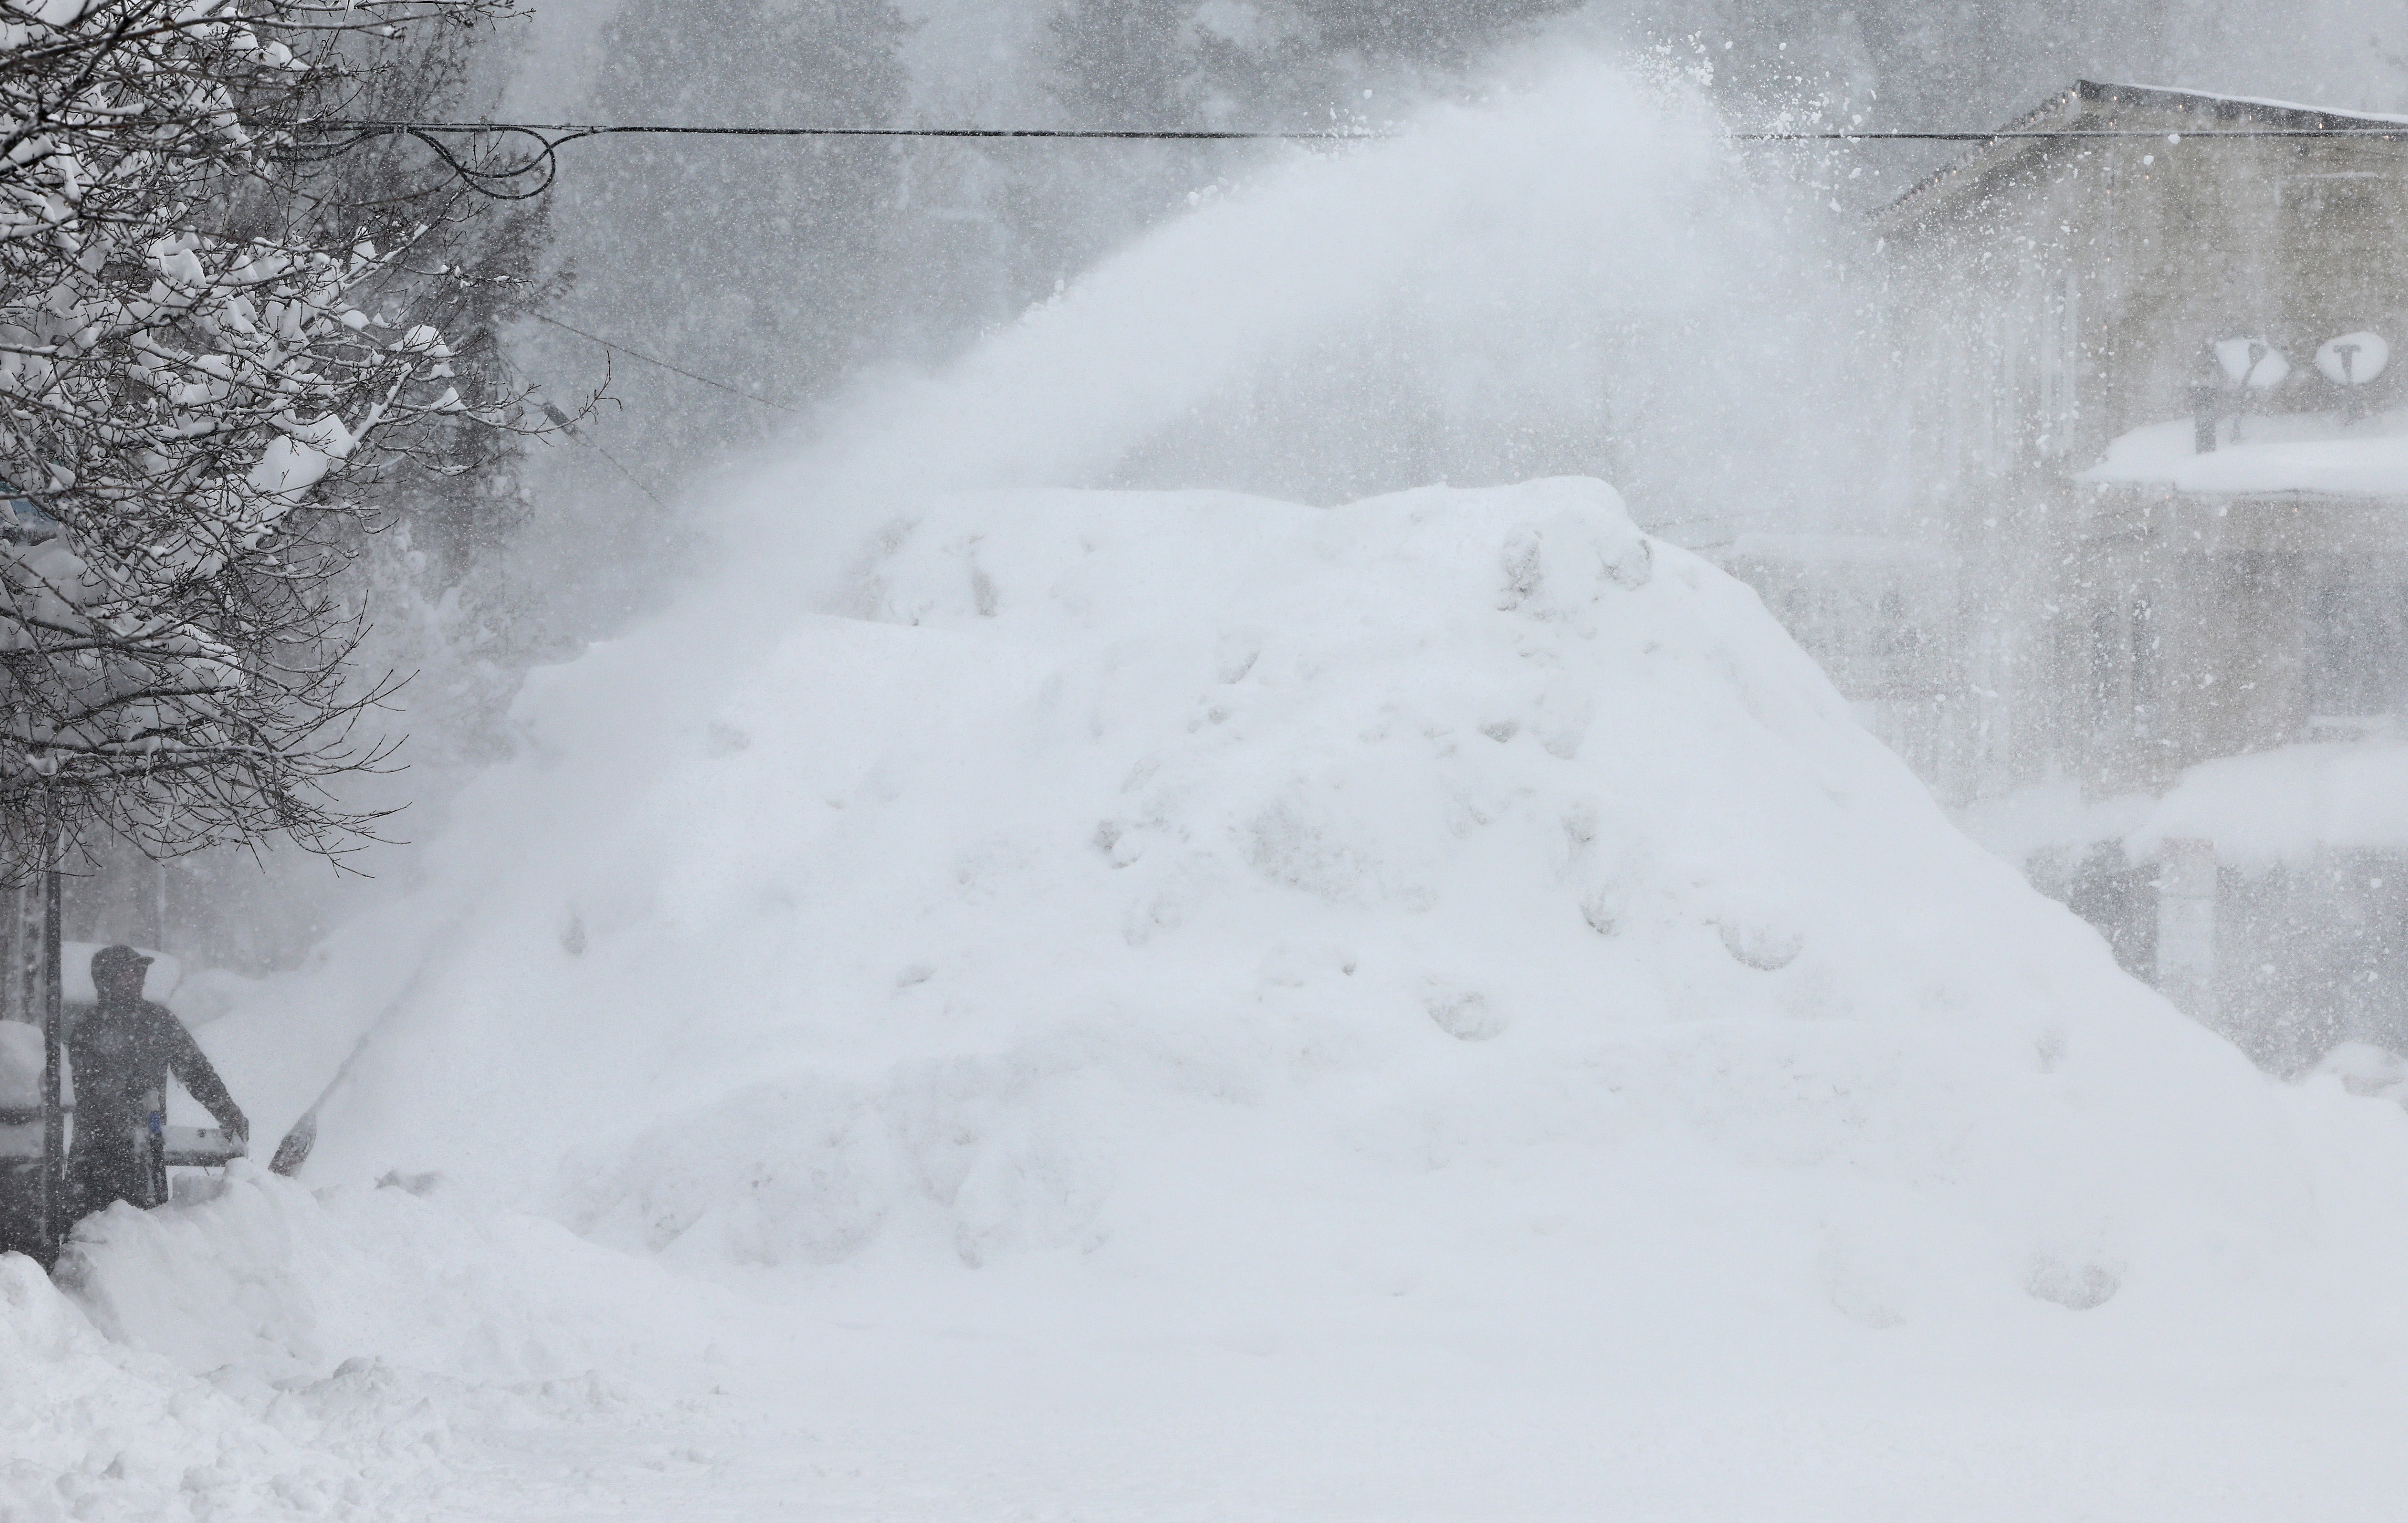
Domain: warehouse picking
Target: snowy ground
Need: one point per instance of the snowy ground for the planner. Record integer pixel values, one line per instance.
(925, 1397)
(865, 1405)
(1189, 1007)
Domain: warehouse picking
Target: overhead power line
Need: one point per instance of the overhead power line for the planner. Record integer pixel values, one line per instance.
(571, 131)
(528, 167)
(535, 165)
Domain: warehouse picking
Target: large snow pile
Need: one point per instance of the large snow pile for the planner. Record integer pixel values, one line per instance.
(1428, 1004)
(1304, 906)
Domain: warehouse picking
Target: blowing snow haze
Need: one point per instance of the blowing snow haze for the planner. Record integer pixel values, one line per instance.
(1555, 814)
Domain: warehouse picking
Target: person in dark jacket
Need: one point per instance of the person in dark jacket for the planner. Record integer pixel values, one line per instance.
(122, 1051)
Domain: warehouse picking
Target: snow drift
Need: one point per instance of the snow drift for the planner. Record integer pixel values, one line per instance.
(271, 1352)
(1316, 906)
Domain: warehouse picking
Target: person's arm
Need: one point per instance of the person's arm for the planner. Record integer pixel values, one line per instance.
(191, 1066)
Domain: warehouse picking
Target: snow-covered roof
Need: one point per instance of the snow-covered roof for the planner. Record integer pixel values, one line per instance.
(2261, 809)
(2282, 805)
(2090, 104)
(2313, 454)
(2258, 107)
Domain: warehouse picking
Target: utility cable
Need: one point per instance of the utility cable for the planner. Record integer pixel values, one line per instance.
(579, 435)
(572, 131)
(567, 425)
(529, 175)
(638, 354)
(531, 170)
(575, 131)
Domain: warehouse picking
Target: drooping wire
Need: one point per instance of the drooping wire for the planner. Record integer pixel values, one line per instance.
(638, 354)
(583, 437)
(569, 425)
(509, 181)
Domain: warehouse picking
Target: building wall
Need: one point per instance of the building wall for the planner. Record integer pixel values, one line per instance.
(2045, 303)
(2055, 301)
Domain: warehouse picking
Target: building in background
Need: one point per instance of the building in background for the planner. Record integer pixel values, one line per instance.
(2163, 454)
(1879, 615)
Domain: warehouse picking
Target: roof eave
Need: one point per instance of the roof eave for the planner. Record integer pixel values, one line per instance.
(2092, 103)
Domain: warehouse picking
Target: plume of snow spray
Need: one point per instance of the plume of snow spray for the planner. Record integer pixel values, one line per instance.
(1577, 275)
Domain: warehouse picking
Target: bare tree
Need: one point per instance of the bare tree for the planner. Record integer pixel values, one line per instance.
(203, 336)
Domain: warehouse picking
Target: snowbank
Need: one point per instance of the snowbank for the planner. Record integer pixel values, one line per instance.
(96, 1428)
(1301, 908)
(272, 1352)
(289, 1285)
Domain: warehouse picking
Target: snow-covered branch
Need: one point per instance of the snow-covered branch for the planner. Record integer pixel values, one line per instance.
(196, 353)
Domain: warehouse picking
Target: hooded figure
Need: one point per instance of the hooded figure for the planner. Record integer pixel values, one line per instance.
(123, 1050)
